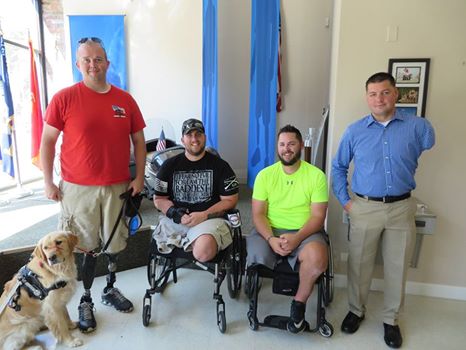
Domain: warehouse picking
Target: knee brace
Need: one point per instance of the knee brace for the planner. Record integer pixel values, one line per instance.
(88, 270)
(112, 267)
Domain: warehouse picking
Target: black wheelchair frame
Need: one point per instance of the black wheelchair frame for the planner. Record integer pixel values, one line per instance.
(283, 270)
(229, 264)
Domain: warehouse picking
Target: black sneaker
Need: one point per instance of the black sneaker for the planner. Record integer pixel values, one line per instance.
(296, 323)
(113, 297)
(86, 322)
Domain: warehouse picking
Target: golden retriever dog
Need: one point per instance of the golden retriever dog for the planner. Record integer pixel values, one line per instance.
(53, 270)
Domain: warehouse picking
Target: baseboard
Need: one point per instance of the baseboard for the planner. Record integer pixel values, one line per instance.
(414, 288)
(135, 255)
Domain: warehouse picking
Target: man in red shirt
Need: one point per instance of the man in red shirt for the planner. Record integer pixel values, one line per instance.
(97, 122)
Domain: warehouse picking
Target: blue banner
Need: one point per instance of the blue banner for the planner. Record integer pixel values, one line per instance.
(110, 29)
(7, 117)
(209, 72)
(263, 86)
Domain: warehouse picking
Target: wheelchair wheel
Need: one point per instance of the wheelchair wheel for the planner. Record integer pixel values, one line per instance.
(253, 324)
(328, 278)
(232, 281)
(146, 315)
(234, 274)
(157, 273)
(326, 329)
(221, 321)
(248, 284)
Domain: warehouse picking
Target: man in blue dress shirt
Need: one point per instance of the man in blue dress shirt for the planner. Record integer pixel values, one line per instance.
(385, 147)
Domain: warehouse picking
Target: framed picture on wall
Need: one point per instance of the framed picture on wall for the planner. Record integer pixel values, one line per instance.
(411, 77)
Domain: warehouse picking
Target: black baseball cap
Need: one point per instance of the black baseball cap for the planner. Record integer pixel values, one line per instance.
(192, 124)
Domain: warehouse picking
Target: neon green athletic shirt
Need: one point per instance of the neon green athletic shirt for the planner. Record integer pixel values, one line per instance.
(289, 197)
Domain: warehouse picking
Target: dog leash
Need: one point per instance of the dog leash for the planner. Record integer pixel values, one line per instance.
(9, 296)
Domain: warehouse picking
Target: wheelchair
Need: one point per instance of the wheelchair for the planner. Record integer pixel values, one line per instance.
(227, 264)
(286, 282)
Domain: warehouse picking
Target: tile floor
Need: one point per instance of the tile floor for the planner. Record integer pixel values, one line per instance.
(184, 317)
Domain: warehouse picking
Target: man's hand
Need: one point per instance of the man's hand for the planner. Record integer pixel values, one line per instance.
(52, 192)
(276, 245)
(289, 241)
(348, 206)
(137, 186)
(193, 219)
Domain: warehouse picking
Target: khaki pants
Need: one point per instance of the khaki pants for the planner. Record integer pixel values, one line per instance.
(370, 222)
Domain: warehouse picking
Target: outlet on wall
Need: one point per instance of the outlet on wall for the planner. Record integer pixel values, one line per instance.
(344, 257)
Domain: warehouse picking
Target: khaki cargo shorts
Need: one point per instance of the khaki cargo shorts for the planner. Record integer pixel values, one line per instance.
(169, 235)
(91, 212)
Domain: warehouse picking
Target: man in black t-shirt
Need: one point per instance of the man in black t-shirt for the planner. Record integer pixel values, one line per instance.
(193, 190)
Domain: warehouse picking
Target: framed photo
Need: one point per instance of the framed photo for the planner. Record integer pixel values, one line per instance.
(411, 77)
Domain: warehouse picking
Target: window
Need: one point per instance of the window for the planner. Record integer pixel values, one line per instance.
(43, 23)
(25, 220)
(18, 21)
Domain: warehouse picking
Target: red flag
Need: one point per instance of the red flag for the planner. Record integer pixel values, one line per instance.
(279, 70)
(37, 123)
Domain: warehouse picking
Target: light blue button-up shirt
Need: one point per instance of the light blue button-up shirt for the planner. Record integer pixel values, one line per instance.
(385, 157)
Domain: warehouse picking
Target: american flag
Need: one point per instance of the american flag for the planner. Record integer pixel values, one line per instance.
(161, 143)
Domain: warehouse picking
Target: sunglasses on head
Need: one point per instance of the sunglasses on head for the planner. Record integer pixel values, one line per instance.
(90, 38)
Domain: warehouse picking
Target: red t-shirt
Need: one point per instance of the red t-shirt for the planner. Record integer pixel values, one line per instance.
(96, 131)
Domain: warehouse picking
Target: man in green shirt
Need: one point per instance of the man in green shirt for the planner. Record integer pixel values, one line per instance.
(289, 205)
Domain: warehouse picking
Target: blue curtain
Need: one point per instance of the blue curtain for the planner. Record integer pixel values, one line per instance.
(263, 86)
(111, 30)
(209, 72)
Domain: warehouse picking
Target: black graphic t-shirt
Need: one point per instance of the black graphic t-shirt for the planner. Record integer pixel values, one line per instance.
(195, 185)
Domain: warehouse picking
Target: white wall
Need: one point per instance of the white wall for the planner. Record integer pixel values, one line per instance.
(164, 53)
(425, 29)
(234, 55)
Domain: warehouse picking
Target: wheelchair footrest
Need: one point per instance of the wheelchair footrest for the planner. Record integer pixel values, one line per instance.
(280, 322)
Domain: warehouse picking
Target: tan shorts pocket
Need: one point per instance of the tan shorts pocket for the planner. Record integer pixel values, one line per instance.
(66, 223)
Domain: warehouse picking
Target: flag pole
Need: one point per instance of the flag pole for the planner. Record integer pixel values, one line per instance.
(20, 191)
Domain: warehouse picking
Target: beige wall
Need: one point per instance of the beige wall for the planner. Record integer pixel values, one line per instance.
(306, 68)
(425, 29)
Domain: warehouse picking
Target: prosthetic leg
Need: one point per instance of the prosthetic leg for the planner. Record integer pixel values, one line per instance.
(112, 267)
(88, 273)
(112, 296)
(87, 321)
